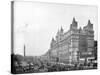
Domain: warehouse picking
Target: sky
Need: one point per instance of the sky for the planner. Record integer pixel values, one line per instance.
(36, 23)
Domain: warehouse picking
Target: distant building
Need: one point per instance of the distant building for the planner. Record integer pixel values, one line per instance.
(73, 45)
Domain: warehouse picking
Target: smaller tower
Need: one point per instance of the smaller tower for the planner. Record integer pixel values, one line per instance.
(58, 36)
(52, 42)
(90, 25)
(61, 29)
(61, 33)
(74, 24)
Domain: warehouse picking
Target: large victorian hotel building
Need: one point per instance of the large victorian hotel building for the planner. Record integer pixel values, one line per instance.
(73, 45)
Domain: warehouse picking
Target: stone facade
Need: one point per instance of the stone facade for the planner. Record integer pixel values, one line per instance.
(71, 46)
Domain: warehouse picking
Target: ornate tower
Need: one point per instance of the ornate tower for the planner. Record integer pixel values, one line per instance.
(86, 42)
(90, 39)
(74, 41)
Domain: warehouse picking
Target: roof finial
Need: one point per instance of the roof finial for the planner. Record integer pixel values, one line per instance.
(74, 20)
(89, 22)
(61, 29)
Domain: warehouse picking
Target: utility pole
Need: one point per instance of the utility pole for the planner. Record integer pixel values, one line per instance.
(12, 37)
(24, 51)
(12, 27)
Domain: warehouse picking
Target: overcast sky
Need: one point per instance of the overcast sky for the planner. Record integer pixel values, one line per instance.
(36, 23)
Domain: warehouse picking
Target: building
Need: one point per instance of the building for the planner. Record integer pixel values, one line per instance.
(73, 45)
